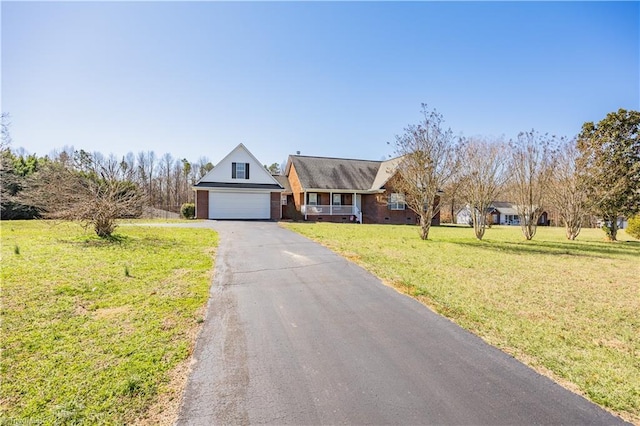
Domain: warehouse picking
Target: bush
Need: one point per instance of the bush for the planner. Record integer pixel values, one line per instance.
(188, 210)
(633, 226)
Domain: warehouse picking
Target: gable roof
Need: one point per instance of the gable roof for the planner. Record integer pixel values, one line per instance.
(505, 207)
(283, 181)
(220, 176)
(341, 173)
(385, 172)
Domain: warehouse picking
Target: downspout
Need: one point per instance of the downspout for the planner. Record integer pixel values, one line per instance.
(196, 203)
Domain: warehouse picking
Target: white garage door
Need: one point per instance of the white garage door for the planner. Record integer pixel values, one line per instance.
(239, 205)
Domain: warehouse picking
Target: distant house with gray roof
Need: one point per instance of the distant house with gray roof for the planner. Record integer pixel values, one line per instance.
(498, 213)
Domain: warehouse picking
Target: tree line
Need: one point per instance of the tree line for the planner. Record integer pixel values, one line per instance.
(79, 185)
(595, 173)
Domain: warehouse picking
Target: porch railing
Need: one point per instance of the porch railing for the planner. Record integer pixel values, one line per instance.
(329, 210)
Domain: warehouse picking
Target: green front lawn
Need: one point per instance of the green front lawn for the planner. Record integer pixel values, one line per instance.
(570, 309)
(96, 331)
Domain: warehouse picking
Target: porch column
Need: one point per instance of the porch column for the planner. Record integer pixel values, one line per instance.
(353, 205)
(330, 203)
(304, 204)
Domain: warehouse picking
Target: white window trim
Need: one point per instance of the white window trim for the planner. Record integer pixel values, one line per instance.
(314, 196)
(241, 171)
(396, 201)
(339, 198)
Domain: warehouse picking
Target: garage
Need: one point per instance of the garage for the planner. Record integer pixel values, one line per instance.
(239, 205)
(238, 187)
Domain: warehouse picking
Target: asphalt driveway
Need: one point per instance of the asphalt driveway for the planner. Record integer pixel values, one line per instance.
(295, 334)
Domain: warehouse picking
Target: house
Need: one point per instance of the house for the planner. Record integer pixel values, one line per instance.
(345, 190)
(622, 222)
(506, 213)
(313, 188)
(464, 215)
(238, 187)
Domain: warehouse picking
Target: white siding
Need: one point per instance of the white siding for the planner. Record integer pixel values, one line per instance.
(222, 171)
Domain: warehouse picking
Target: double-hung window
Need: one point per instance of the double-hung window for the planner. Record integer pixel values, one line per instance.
(337, 199)
(313, 199)
(396, 201)
(240, 170)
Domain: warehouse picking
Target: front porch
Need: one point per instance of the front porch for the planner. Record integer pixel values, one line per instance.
(318, 204)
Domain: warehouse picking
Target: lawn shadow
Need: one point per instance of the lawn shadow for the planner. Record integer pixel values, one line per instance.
(96, 241)
(590, 249)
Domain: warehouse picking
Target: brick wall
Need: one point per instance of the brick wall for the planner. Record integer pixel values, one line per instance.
(202, 204)
(375, 210)
(296, 187)
(275, 206)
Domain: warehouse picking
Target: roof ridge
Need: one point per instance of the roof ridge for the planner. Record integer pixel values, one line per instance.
(335, 158)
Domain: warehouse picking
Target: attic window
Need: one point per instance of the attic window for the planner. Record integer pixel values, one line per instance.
(239, 170)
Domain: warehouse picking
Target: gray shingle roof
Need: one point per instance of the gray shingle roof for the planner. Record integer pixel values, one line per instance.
(283, 181)
(335, 173)
(505, 207)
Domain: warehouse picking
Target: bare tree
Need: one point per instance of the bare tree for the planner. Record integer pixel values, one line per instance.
(94, 198)
(166, 166)
(567, 191)
(5, 135)
(428, 162)
(146, 164)
(451, 198)
(128, 164)
(530, 169)
(481, 175)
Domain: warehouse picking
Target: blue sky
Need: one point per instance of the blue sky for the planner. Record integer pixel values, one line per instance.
(324, 78)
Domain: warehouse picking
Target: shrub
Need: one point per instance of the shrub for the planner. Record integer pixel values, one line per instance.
(188, 210)
(633, 226)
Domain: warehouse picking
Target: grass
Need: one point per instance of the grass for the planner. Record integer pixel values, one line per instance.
(570, 309)
(83, 342)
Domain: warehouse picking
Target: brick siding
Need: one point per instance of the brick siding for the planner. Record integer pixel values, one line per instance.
(202, 204)
(275, 206)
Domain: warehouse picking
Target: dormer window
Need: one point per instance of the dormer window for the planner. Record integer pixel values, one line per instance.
(240, 170)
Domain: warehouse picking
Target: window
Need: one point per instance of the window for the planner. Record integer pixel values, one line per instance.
(337, 199)
(396, 201)
(239, 170)
(283, 199)
(313, 199)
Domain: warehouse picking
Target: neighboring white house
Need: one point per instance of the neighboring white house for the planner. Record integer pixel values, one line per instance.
(622, 223)
(499, 213)
(505, 213)
(238, 187)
